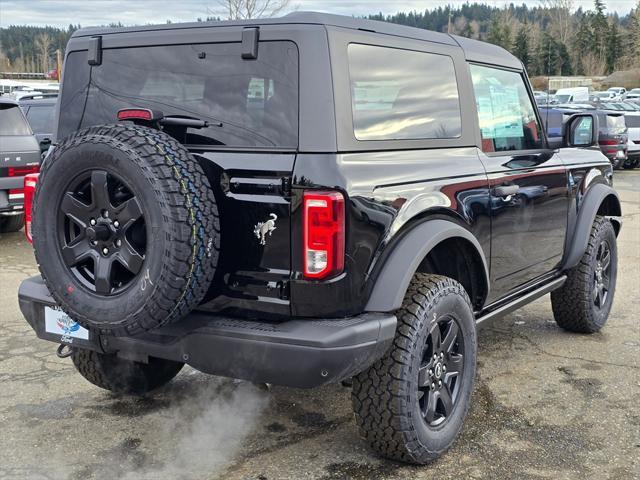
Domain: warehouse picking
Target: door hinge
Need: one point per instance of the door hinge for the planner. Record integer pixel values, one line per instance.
(286, 186)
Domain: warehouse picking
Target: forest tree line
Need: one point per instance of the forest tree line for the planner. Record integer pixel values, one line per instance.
(552, 38)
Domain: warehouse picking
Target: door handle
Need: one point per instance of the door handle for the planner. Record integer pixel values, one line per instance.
(505, 190)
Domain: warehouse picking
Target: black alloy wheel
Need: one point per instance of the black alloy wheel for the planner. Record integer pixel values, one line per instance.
(411, 404)
(101, 231)
(441, 371)
(602, 275)
(584, 301)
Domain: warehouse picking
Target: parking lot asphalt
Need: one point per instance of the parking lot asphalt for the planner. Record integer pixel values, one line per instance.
(547, 404)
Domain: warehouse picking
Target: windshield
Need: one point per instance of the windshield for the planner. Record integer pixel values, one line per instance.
(563, 98)
(248, 103)
(12, 121)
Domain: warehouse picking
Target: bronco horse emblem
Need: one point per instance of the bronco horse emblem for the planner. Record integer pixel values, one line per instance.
(262, 228)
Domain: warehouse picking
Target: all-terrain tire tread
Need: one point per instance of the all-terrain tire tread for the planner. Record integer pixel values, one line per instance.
(380, 394)
(187, 201)
(571, 303)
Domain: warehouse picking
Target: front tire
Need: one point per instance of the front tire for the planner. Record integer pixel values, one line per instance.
(583, 303)
(411, 404)
(117, 375)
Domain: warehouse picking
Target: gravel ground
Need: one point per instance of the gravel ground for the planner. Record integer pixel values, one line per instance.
(547, 404)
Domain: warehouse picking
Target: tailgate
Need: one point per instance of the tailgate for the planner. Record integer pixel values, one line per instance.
(254, 201)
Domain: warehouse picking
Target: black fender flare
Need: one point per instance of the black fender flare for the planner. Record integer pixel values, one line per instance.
(393, 280)
(577, 245)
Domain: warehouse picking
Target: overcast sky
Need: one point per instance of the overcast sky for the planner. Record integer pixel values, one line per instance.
(101, 12)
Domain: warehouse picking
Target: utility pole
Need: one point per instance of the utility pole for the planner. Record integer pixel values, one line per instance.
(59, 64)
(449, 24)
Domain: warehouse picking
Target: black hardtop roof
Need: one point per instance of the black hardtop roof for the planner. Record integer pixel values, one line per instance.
(474, 50)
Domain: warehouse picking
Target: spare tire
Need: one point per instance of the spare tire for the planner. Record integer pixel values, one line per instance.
(125, 228)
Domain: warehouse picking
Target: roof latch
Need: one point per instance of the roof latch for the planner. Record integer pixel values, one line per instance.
(94, 55)
(250, 37)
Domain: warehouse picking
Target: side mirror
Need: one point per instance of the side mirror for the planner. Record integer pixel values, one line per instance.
(581, 130)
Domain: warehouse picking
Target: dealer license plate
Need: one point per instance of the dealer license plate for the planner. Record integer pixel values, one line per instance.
(59, 323)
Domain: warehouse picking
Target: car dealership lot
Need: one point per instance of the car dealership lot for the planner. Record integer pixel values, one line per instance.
(547, 404)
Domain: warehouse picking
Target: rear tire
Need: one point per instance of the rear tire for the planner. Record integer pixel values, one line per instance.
(124, 376)
(583, 303)
(11, 224)
(410, 405)
(125, 228)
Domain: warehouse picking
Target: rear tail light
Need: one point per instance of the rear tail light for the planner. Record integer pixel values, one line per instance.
(606, 143)
(18, 193)
(30, 182)
(323, 234)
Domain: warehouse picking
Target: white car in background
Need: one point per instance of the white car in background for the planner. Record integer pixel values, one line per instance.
(620, 93)
(632, 120)
(633, 94)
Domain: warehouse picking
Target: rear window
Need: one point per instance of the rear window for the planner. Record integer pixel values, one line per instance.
(248, 103)
(632, 121)
(41, 118)
(12, 121)
(615, 123)
(401, 94)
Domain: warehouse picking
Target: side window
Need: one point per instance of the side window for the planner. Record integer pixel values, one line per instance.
(402, 94)
(505, 113)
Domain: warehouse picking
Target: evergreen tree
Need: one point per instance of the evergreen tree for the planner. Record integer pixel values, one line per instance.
(499, 34)
(600, 29)
(547, 55)
(564, 59)
(521, 46)
(614, 47)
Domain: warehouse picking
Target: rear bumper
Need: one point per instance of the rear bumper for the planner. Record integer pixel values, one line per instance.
(301, 353)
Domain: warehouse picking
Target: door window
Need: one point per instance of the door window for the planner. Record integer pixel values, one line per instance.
(505, 112)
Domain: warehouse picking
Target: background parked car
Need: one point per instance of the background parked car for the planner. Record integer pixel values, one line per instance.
(612, 133)
(620, 92)
(543, 98)
(632, 120)
(40, 111)
(20, 155)
(633, 94)
(603, 96)
(575, 94)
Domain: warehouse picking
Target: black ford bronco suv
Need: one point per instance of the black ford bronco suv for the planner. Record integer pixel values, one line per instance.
(306, 200)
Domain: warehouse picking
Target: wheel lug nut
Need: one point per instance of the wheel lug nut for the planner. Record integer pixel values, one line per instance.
(439, 383)
(118, 243)
(444, 368)
(105, 213)
(430, 373)
(92, 221)
(435, 357)
(116, 223)
(433, 385)
(441, 355)
(94, 243)
(105, 251)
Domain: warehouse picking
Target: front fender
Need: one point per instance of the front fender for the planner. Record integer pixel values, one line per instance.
(594, 198)
(401, 265)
